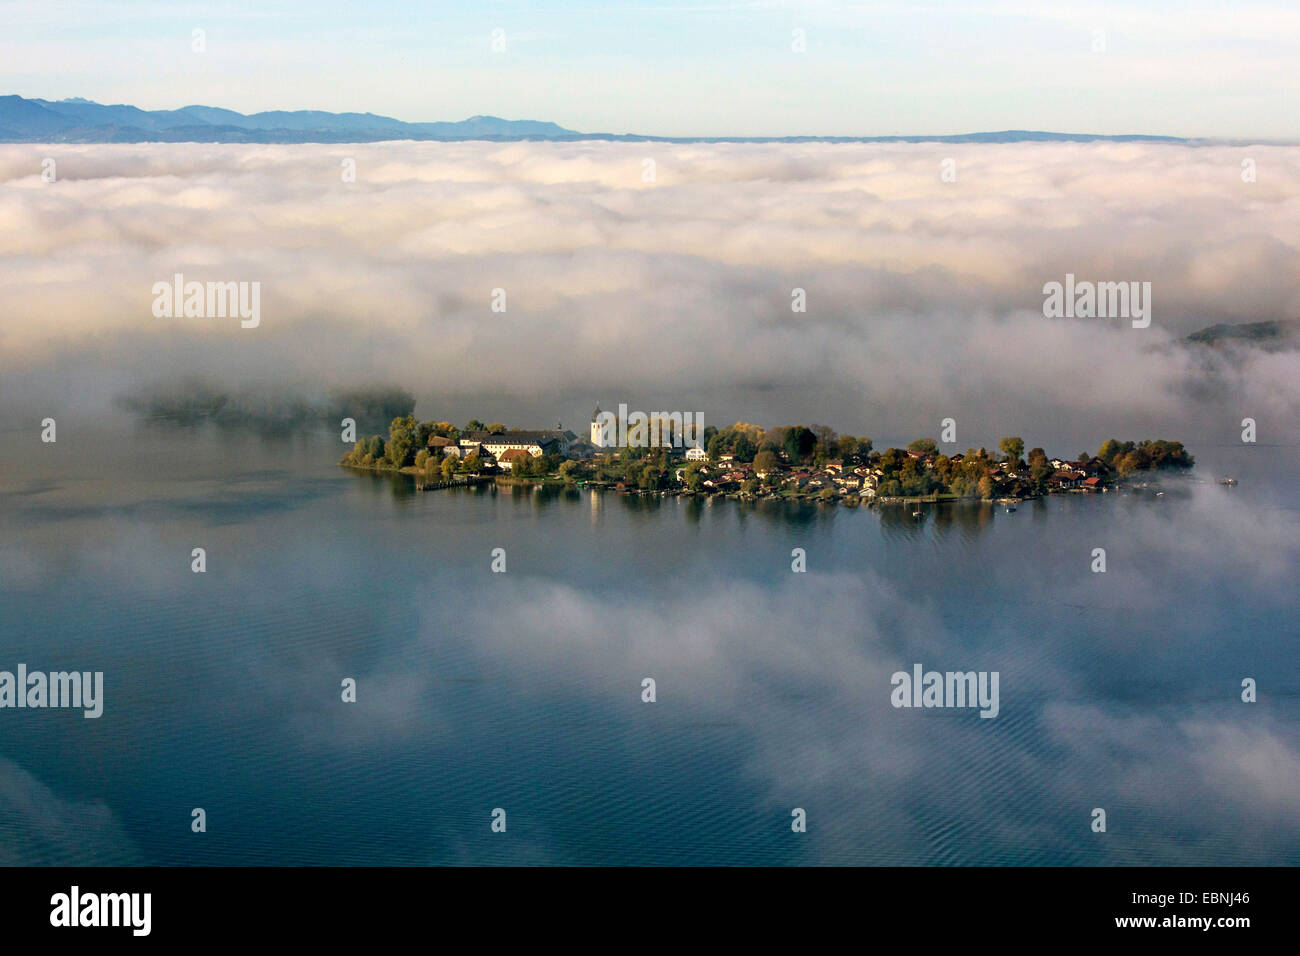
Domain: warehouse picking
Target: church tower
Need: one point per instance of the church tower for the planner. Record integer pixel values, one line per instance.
(597, 433)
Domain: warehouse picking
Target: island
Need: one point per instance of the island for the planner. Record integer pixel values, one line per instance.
(752, 462)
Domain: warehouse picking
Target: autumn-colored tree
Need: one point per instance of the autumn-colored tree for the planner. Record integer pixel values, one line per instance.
(766, 462)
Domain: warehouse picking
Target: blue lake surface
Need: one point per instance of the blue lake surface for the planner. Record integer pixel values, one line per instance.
(522, 691)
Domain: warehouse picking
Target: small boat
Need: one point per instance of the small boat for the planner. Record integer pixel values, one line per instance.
(1227, 481)
(916, 514)
(1011, 509)
(1160, 494)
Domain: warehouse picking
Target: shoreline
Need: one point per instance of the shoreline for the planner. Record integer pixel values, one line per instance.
(849, 500)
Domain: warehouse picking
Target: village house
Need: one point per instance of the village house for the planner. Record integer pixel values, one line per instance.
(1064, 478)
(535, 443)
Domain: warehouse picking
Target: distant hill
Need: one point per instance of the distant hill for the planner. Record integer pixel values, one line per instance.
(78, 120)
(82, 121)
(1272, 336)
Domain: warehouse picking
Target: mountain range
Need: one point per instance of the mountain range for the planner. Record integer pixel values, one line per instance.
(78, 120)
(83, 121)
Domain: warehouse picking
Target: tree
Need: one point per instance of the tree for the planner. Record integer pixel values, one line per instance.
(448, 467)
(798, 443)
(1013, 448)
(986, 487)
(1110, 448)
(473, 425)
(1167, 454)
(401, 440)
(473, 464)
(421, 458)
(825, 436)
(750, 485)
(924, 446)
(1039, 473)
(693, 478)
(743, 449)
(892, 460)
(766, 462)
(496, 428)
(850, 448)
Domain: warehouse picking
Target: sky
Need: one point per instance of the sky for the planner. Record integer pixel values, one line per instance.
(713, 68)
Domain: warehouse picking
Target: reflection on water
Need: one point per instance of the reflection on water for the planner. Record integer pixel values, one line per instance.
(523, 690)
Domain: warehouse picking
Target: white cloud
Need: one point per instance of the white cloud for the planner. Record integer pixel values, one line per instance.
(919, 290)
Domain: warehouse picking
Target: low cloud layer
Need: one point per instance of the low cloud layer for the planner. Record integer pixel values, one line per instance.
(924, 296)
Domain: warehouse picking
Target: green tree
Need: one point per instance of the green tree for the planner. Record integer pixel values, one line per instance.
(693, 477)
(798, 443)
(766, 462)
(1039, 473)
(401, 440)
(1013, 448)
(448, 468)
(924, 446)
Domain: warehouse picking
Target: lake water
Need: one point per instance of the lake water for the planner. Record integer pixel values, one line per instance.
(522, 691)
